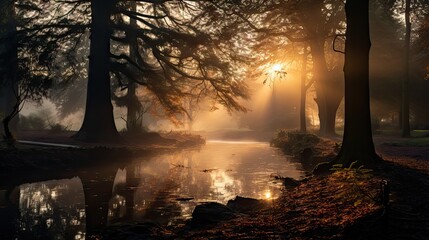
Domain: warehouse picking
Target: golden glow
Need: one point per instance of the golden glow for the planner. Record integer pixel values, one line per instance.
(268, 195)
(276, 67)
(274, 71)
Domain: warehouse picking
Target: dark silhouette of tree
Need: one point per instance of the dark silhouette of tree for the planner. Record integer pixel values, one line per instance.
(357, 146)
(171, 54)
(21, 78)
(10, 101)
(98, 123)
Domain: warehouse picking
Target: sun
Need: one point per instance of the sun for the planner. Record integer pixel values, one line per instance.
(277, 67)
(275, 70)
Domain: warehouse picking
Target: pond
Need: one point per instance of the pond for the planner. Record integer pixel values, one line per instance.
(163, 189)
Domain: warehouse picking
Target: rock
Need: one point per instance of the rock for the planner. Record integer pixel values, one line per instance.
(290, 182)
(212, 213)
(245, 205)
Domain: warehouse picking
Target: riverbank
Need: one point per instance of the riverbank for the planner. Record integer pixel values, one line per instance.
(36, 155)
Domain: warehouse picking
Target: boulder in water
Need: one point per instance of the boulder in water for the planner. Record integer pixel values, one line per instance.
(212, 212)
(246, 205)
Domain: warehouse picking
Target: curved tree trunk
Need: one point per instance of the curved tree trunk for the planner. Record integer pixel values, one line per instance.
(357, 144)
(98, 124)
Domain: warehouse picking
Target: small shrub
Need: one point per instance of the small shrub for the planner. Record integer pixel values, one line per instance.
(294, 142)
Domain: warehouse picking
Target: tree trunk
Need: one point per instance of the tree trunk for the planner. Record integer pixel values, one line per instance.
(406, 82)
(134, 121)
(98, 124)
(357, 144)
(7, 135)
(327, 88)
(302, 117)
(8, 69)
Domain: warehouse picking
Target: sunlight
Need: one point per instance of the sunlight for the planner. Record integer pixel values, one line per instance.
(276, 67)
(268, 195)
(274, 71)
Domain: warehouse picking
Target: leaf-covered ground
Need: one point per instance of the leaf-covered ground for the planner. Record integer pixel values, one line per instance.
(320, 208)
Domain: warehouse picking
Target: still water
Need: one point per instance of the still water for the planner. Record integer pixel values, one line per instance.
(163, 189)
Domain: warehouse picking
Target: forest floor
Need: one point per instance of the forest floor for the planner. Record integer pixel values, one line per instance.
(344, 205)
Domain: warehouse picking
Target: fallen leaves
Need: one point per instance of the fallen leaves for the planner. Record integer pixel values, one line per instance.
(320, 208)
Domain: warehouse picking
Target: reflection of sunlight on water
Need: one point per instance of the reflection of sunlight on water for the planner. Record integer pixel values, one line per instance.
(164, 189)
(224, 186)
(219, 171)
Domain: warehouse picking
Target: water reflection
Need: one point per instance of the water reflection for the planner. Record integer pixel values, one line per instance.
(52, 210)
(218, 172)
(163, 189)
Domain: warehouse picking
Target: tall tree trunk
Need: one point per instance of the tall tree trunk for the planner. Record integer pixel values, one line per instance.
(8, 69)
(406, 82)
(357, 144)
(98, 124)
(302, 117)
(134, 121)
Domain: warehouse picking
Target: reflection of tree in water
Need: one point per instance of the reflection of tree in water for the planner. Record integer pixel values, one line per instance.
(155, 200)
(52, 210)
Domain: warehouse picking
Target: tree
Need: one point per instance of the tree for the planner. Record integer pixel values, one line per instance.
(98, 123)
(175, 53)
(21, 77)
(319, 22)
(9, 99)
(357, 146)
(304, 88)
(289, 22)
(406, 82)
